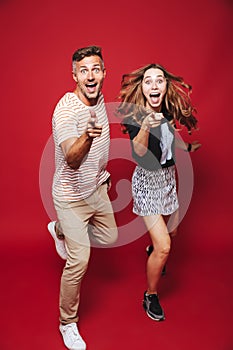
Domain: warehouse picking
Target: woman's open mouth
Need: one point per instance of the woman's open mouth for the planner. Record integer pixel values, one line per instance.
(154, 96)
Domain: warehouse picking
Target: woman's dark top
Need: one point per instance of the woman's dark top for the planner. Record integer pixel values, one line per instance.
(151, 159)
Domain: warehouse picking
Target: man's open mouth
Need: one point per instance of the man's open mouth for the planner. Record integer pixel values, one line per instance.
(91, 87)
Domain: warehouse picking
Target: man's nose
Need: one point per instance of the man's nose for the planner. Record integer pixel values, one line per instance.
(90, 75)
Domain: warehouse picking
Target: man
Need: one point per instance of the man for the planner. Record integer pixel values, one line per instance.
(80, 184)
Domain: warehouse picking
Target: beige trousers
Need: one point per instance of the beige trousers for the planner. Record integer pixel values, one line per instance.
(83, 223)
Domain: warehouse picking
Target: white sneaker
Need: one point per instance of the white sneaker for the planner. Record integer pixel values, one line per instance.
(72, 338)
(59, 243)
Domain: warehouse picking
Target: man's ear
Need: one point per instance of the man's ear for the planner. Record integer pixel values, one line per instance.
(104, 72)
(75, 78)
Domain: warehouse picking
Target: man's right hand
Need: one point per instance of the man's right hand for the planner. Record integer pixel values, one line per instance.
(93, 128)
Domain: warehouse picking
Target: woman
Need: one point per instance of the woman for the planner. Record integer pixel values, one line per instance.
(153, 102)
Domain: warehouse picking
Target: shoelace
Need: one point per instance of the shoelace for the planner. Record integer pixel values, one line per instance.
(71, 332)
(154, 301)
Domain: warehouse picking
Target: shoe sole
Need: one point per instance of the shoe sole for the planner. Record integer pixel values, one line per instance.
(51, 230)
(160, 318)
(155, 319)
(82, 346)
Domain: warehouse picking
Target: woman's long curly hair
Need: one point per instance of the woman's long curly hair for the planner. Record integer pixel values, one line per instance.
(176, 100)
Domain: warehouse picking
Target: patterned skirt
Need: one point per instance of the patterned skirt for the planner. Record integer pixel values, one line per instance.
(154, 191)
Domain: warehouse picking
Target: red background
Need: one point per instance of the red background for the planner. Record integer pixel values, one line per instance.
(191, 39)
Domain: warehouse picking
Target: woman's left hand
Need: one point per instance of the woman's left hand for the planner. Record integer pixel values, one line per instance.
(195, 145)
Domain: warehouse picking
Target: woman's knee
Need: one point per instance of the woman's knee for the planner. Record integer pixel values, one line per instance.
(164, 247)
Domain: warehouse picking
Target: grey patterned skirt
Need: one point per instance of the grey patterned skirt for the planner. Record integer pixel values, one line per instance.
(154, 191)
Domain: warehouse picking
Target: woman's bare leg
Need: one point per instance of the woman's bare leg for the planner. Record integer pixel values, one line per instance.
(161, 243)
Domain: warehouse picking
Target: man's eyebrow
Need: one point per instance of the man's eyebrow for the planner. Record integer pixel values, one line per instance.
(95, 65)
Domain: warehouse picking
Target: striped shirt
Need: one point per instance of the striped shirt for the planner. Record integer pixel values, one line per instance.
(70, 120)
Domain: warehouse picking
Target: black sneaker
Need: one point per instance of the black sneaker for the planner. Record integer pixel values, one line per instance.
(152, 307)
(149, 250)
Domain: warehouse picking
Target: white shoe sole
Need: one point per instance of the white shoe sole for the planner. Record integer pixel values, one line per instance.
(72, 339)
(59, 244)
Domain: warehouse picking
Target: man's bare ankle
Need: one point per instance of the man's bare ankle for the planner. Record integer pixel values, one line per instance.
(59, 234)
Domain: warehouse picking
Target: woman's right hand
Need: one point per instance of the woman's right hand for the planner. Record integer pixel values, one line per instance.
(152, 120)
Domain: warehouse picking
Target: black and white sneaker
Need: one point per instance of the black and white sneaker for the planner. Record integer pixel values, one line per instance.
(149, 250)
(152, 307)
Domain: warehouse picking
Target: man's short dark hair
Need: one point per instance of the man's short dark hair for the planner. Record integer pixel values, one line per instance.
(86, 52)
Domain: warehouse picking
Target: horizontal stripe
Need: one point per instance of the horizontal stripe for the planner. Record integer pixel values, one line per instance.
(70, 120)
